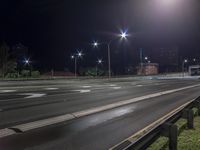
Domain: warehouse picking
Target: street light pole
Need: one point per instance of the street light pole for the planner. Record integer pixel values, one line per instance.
(183, 66)
(75, 66)
(75, 57)
(109, 68)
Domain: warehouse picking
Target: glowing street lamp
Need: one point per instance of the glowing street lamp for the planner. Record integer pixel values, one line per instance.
(123, 35)
(75, 57)
(80, 54)
(95, 44)
(26, 61)
(99, 61)
(183, 65)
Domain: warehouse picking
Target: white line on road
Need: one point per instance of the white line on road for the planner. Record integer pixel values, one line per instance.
(86, 86)
(112, 85)
(139, 85)
(32, 95)
(7, 91)
(117, 87)
(82, 91)
(66, 117)
(45, 122)
(51, 88)
(6, 132)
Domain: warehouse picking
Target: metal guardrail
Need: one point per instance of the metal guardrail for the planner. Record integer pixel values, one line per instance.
(163, 127)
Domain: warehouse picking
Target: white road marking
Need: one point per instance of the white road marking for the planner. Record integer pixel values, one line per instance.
(50, 121)
(7, 91)
(86, 86)
(51, 88)
(139, 85)
(32, 95)
(44, 122)
(112, 85)
(117, 87)
(6, 132)
(149, 127)
(82, 91)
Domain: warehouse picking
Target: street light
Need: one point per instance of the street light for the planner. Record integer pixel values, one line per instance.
(123, 35)
(183, 66)
(95, 44)
(99, 62)
(26, 61)
(75, 57)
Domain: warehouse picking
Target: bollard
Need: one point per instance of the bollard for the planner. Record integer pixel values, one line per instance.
(171, 131)
(189, 115)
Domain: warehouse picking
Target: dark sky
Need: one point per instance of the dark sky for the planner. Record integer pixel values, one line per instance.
(54, 29)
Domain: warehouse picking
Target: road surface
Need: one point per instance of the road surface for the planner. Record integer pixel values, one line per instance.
(84, 114)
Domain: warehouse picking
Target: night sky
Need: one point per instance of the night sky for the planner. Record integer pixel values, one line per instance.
(55, 29)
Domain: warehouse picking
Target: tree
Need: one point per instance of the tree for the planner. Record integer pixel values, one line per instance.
(4, 54)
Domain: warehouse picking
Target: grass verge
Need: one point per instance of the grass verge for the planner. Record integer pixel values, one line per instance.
(188, 139)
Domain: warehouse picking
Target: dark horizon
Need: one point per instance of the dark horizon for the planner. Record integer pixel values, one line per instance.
(53, 30)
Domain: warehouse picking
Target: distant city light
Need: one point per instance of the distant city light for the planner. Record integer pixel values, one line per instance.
(72, 57)
(194, 59)
(146, 58)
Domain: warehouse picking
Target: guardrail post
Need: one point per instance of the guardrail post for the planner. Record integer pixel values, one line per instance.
(189, 115)
(171, 131)
(198, 107)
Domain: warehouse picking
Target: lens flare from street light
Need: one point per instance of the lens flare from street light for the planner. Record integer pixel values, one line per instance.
(27, 61)
(95, 44)
(79, 54)
(100, 61)
(123, 35)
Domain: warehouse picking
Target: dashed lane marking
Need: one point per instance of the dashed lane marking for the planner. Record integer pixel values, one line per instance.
(82, 91)
(139, 85)
(112, 85)
(50, 121)
(7, 91)
(86, 86)
(32, 95)
(6, 132)
(117, 87)
(44, 122)
(51, 88)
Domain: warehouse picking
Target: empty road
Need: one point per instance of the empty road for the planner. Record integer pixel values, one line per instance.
(84, 114)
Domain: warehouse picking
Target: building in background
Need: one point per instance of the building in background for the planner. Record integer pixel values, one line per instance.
(194, 70)
(148, 69)
(167, 58)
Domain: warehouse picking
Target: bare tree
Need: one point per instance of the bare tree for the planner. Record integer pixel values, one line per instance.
(4, 54)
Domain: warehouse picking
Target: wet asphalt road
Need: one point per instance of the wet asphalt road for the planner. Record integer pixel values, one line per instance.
(98, 131)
